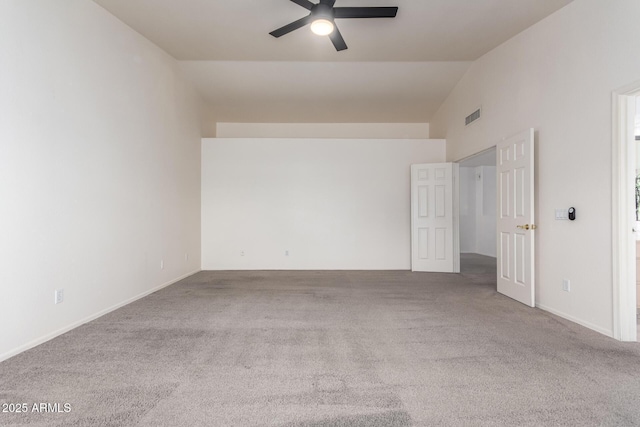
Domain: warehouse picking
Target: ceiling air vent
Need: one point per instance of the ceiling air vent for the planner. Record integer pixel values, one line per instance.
(472, 117)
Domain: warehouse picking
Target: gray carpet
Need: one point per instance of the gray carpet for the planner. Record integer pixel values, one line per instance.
(321, 348)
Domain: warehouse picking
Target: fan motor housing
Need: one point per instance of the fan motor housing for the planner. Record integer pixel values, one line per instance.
(322, 11)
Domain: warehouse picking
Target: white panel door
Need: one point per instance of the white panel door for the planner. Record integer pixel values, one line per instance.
(432, 224)
(516, 218)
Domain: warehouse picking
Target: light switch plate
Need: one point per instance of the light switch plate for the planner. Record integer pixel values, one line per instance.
(562, 214)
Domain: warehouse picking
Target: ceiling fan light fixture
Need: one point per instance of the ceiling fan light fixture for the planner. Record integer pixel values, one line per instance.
(322, 27)
(321, 19)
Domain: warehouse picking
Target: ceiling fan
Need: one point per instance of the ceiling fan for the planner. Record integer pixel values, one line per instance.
(323, 14)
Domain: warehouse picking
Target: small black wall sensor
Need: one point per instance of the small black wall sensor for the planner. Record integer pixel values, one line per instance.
(572, 214)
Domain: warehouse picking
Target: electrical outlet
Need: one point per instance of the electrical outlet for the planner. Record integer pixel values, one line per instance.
(566, 285)
(286, 253)
(58, 296)
(186, 256)
(161, 264)
(242, 253)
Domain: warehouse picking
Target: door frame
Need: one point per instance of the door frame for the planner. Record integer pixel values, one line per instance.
(623, 214)
(456, 217)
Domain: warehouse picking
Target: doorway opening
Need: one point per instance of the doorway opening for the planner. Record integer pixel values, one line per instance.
(625, 212)
(477, 213)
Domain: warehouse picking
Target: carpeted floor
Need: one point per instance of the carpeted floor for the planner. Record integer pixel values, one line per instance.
(326, 348)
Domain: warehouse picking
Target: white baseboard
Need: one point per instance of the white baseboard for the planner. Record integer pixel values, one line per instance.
(603, 331)
(87, 319)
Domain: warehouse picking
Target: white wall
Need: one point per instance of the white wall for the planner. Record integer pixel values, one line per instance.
(637, 121)
(636, 133)
(478, 210)
(333, 203)
(467, 210)
(557, 77)
(324, 130)
(486, 211)
(99, 168)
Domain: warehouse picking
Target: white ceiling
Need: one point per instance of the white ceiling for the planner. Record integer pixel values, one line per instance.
(324, 92)
(395, 70)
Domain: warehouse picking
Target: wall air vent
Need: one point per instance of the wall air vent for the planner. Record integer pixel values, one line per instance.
(472, 117)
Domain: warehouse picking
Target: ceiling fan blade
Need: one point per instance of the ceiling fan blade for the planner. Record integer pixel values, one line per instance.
(365, 12)
(291, 27)
(337, 40)
(304, 3)
(328, 2)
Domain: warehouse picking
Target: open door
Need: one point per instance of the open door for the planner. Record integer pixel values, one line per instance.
(434, 245)
(516, 227)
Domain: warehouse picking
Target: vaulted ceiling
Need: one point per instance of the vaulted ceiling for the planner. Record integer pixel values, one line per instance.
(395, 70)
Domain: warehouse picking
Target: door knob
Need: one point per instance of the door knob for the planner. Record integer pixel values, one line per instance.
(527, 227)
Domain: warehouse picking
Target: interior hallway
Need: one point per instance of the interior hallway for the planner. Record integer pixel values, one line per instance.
(477, 264)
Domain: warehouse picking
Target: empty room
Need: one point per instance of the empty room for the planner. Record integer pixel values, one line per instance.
(319, 212)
